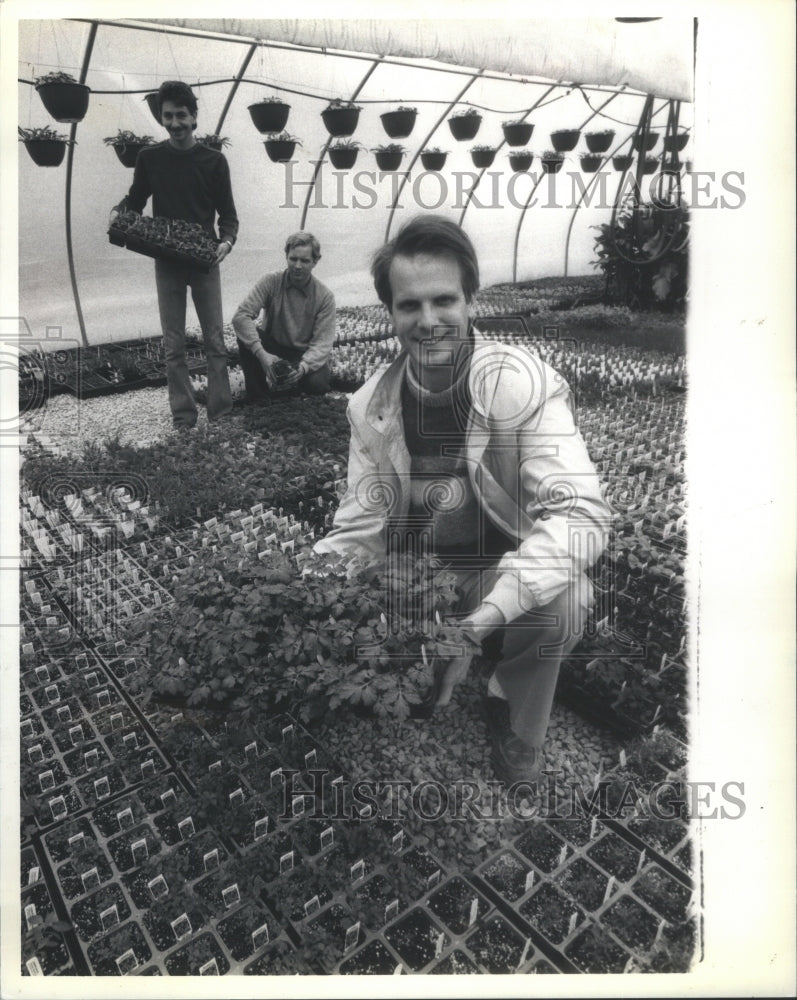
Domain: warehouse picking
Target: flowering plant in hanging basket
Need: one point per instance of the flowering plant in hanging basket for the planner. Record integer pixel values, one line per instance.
(482, 156)
(269, 114)
(517, 133)
(552, 160)
(590, 162)
(214, 141)
(650, 141)
(465, 124)
(45, 146)
(280, 147)
(675, 142)
(622, 161)
(389, 157)
(399, 123)
(521, 160)
(126, 145)
(343, 153)
(63, 97)
(433, 158)
(599, 142)
(565, 139)
(341, 117)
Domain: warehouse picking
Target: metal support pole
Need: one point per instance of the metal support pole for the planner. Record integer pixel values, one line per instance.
(68, 197)
(234, 88)
(422, 146)
(320, 162)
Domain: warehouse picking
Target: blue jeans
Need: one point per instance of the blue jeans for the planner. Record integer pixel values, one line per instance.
(172, 280)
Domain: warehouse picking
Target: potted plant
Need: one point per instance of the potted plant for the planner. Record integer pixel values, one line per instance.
(433, 158)
(389, 157)
(280, 147)
(399, 123)
(650, 165)
(482, 156)
(650, 141)
(343, 154)
(565, 139)
(590, 162)
(63, 97)
(45, 146)
(622, 161)
(521, 160)
(340, 117)
(214, 141)
(270, 114)
(552, 161)
(465, 124)
(675, 143)
(517, 133)
(126, 145)
(599, 142)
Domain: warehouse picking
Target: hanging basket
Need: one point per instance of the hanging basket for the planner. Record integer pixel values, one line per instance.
(280, 150)
(269, 116)
(552, 164)
(388, 159)
(433, 161)
(152, 104)
(400, 123)
(520, 162)
(127, 153)
(651, 139)
(622, 161)
(482, 157)
(517, 133)
(565, 139)
(650, 165)
(340, 121)
(66, 102)
(46, 152)
(343, 157)
(599, 142)
(675, 142)
(465, 126)
(590, 163)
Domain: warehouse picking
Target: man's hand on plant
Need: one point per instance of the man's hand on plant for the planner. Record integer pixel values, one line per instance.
(455, 670)
(266, 361)
(295, 375)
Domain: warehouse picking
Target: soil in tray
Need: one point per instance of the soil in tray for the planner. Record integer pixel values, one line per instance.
(51, 959)
(158, 919)
(31, 785)
(196, 849)
(631, 923)
(506, 873)
(167, 824)
(279, 959)
(58, 841)
(150, 795)
(371, 898)
(415, 938)
(289, 893)
(663, 894)
(685, 858)
(28, 861)
(236, 930)
(88, 788)
(106, 819)
(325, 935)
(453, 902)
(121, 850)
(372, 960)
(662, 834)
(615, 856)
(584, 883)
(53, 720)
(594, 951)
(86, 913)
(456, 964)
(103, 953)
(70, 877)
(542, 846)
(576, 831)
(497, 946)
(550, 911)
(40, 898)
(75, 760)
(64, 740)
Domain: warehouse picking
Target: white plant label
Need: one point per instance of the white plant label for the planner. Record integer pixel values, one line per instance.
(33, 965)
(34, 874)
(397, 842)
(231, 895)
(327, 838)
(573, 922)
(609, 888)
(433, 879)
(352, 936)
(525, 953)
(90, 879)
(64, 714)
(440, 943)
(130, 741)
(181, 926)
(474, 911)
(237, 797)
(261, 827)
(124, 818)
(76, 735)
(529, 880)
(276, 774)
(210, 968)
(313, 905)
(211, 859)
(91, 759)
(563, 854)
(169, 797)
(186, 828)
(391, 910)
(260, 936)
(310, 759)
(36, 754)
(127, 962)
(297, 805)
(286, 862)
(139, 850)
(158, 887)
(109, 917)
(250, 750)
(102, 788)
(358, 870)
(287, 732)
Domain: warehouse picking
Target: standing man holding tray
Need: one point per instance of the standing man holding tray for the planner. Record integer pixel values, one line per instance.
(188, 181)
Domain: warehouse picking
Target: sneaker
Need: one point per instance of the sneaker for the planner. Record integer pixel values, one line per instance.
(513, 759)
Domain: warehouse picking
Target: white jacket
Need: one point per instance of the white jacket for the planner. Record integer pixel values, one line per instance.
(527, 462)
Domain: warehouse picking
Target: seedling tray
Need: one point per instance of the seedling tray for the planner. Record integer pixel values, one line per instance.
(148, 248)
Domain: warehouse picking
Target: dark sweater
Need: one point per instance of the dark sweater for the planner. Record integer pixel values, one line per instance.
(190, 184)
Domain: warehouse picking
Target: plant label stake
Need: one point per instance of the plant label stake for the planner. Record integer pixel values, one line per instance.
(210, 859)
(169, 797)
(102, 788)
(130, 741)
(186, 828)
(623, 758)
(124, 818)
(352, 936)
(46, 780)
(261, 827)
(158, 887)
(52, 693)
(237, 797)
(32, 918)
(327, 838)
(659, 932)
(34, 875)
(313, 905)
(27, 730)
(127, 962)
(36, 754)
(366, 812)
(117, 721)
(525, 953)
(92, 680)
(286, 862)
(609, 888)
(78, 838)
(297, 805)
(357, 870)
(439, 944)
(276, 774)
(103, 698)
(231, 895)
(91, 758)
(642, 859)
(215, 767)
(210, 968)
(181, 926)
(310, 759)
(76, 735)
(109, 917)
(139, 850)
(288, 732)
(64, 713)
(397, 842)
(260, 937)
(250, 750)
(573, 921)
(529, 880)
(562, 855)
(474, 911)
(433, 879)
(593, 828)
(90, 879)
(43, 675)
(33, 965)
